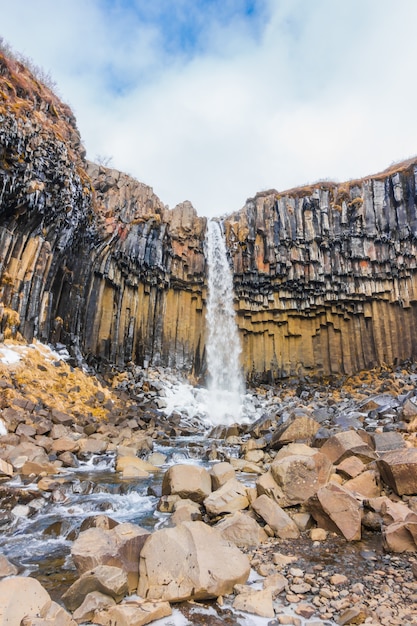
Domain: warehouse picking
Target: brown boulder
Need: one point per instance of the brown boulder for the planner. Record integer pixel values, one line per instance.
(345, 444)
(55, 615)
(189, 561)
(109, 580)
(133, 613)
(220, 473)
(399, 470)
(241, 529)
(281, 523)
(231, 497)
(187, 481)
(300, 429)
(299, 471)
(336, 509)
(21, 597)
(256, 601)
(366, 484)
(119, 546)
(94, 601)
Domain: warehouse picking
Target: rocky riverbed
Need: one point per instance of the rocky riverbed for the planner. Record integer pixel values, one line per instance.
(119, 509)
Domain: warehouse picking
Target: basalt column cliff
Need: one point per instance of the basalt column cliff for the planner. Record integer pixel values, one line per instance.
(325, 276)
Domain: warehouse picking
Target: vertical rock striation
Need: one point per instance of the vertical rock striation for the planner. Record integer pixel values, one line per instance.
(325, 276)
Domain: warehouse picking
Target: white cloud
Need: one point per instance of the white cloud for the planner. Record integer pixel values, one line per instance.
(318, 89)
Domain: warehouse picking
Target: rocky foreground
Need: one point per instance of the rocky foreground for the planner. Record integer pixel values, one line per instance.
(306, 516)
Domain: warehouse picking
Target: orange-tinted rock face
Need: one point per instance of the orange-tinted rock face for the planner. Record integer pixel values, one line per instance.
(325, 276)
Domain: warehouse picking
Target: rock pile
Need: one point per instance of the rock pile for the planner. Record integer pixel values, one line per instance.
(288, 497)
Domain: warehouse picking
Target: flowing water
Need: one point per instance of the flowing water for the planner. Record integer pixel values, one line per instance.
(225, 383)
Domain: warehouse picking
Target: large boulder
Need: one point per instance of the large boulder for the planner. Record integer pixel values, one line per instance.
(190, 561)
(133, 613)
(297, 428)
(231, 497)
(399, 470)
(256, 601)
(108, 580)
(399, 525)
(300, 471)
(241, 529)
(94, 601)
(119, 546)
(220, 473)
(280, 522)
(21, 597)
(187, 481)
(365, 484)
(55, 615)
(345, 444)
(336, 509)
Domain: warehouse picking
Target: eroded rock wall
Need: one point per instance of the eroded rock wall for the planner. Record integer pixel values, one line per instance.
(89, 256)
(325, 276)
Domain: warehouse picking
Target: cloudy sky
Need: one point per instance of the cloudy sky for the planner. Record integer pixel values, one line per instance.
(214, 100)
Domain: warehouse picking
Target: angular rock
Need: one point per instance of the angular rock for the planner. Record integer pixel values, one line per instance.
(281, 523)
(256, 601)
(409, 410)
(32, 599)
(399, 470)
(385, 442)
(132, 613)
(401, 536)
(242, 530)
(59, 417)
(366, 484)
(345, 444)
(187, 481)
(351, 467)
(242, 465)
(190, 561)
(7, 568)
(301, 429)
(64, 444)
(336, 509)
(94, 601)
(266, 485)
(185, 511)
(399, 524)
(220, 473)
(299, 472)
(119, 546)
(38, 469)
(26, 451)
(55, 615)
(6, 469)
(231, 497)
(277, 583)
(109, 580)
(91, 446)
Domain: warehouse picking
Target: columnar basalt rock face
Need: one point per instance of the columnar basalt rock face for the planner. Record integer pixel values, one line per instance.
(325, 276)
(88, 255)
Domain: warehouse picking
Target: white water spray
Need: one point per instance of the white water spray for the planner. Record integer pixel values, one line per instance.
(225, 384)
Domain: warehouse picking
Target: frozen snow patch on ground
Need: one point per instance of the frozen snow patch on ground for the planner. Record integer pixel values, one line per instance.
(9, 355)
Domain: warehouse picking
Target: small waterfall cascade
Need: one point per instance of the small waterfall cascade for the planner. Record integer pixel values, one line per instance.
(225, 380)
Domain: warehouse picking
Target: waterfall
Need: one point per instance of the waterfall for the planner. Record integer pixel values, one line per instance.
(225, 381)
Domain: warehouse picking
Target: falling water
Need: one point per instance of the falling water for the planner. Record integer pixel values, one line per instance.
(225, 384)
